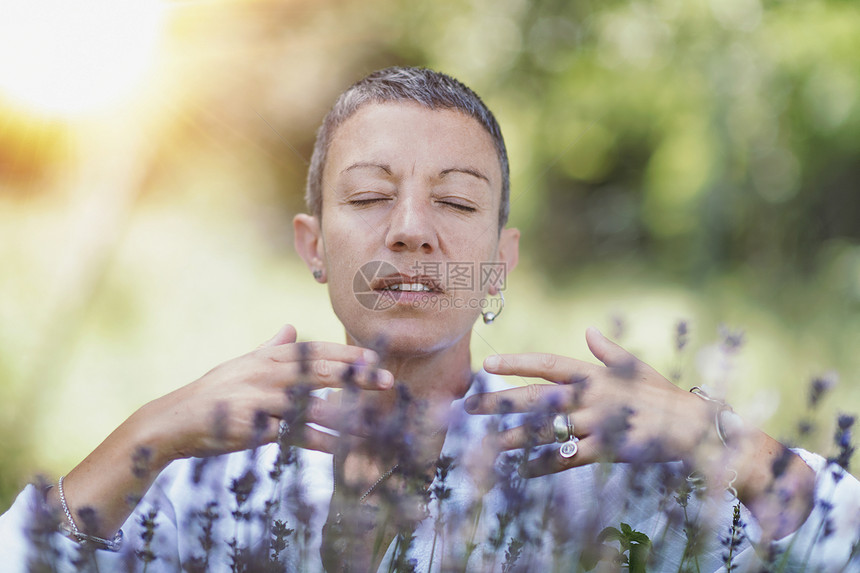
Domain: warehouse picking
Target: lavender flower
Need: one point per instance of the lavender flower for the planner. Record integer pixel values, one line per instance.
(85, 559)
(780, 464)
(206, 519)
(241, 488)
(280, 533)
(261, 424)
(497, 538)
(842, 437)
(40, 530)
(625, 370)
(199, 468)
(512, 553)
(141, 462)
(681, 335)
(612, 432)
(147, 534)
(580, 386)
(401, 563)
(735, 538)
(818, 387)
(681, 339)
(732, 340)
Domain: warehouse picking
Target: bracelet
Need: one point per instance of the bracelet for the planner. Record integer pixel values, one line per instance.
(718, 415)
(698, 480)
(72, 531)
(723, 409)
(65, 505)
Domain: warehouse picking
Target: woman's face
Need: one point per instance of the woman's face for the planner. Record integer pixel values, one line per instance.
(409, 237)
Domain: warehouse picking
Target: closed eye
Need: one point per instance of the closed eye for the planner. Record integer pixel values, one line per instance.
(367, 202)
(459, 206)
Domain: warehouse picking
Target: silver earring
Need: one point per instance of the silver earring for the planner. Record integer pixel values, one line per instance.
(489, 316)
(317, 274)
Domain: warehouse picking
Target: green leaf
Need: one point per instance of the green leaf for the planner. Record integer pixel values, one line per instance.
(609, 534)
(639, 537)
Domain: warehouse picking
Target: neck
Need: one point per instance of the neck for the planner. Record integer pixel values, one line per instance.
(436, 379)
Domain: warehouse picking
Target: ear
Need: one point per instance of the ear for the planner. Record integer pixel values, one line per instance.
(509, 254)
(309, 244)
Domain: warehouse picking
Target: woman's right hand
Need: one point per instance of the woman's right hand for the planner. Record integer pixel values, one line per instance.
(235, 406)
(240, 403)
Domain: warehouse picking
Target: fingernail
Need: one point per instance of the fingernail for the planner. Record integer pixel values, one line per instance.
(370, 356)
(472, 403)
(492, 362)
(384, 378)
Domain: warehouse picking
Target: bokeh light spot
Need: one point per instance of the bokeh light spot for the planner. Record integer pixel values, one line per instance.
(68, 58)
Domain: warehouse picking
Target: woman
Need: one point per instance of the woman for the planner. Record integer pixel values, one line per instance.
(263, 460)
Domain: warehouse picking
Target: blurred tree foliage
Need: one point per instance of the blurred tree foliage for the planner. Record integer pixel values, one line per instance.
(710, 138)
(697, 136)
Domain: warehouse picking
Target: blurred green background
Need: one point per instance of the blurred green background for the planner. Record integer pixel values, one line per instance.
(671, 160)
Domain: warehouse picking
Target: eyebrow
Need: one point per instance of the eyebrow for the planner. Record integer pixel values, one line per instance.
(466, 170)
(443, 173)
(366, 164)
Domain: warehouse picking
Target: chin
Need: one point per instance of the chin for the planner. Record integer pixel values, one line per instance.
(404, 338)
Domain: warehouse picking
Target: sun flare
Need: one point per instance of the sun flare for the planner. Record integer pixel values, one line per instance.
(69, 58)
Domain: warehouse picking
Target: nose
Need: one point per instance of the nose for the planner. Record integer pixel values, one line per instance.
(411, 227)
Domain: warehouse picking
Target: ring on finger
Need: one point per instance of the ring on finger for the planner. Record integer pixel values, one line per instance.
(569, 448)
(562, 427)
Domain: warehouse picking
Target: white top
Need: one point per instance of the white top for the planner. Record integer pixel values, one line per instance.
(555, 515)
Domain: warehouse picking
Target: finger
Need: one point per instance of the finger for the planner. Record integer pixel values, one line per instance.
(331, 374)
(607, 351)
(530, 398)
(306, 437)
(342, 418)
(365, 422)
(551, 367)
(306, 351)
(550, 460)
(525, 436)
(541, 432)
(285, 335)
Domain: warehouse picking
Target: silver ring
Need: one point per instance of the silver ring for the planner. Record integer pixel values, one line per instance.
(562, 427)
(569, 448)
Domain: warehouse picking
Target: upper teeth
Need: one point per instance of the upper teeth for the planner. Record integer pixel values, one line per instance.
(415, 287)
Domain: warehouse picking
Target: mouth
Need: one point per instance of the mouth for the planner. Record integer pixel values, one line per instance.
(406, 283)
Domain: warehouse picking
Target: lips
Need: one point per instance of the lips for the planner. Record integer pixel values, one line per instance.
(399, 282)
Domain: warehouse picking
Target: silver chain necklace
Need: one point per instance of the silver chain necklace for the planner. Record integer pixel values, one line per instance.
(371, 489)
(380, 480)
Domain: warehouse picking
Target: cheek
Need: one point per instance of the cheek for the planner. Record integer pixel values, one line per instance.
(342, 261)
(340, 269)
(482, 265)
(339, 245)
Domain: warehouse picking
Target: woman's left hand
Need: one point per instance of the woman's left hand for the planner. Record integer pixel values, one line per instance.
(623, 411)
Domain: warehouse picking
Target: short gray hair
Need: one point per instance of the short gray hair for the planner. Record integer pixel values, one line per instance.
(431, 89)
